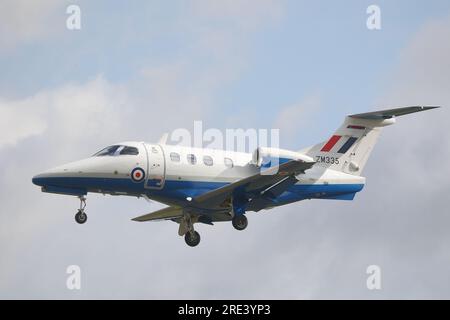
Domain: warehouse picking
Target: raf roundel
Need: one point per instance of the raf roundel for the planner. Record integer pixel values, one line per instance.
(138, 174)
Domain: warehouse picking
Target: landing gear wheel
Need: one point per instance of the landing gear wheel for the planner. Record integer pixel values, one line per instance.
(240, 222)
(81, 217)
(192, 238)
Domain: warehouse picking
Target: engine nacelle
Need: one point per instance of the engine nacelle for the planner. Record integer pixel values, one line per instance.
(270, 157)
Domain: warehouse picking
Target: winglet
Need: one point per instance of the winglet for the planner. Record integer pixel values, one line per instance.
(391, 113)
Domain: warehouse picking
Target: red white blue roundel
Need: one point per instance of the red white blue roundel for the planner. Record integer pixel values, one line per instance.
(138, 174)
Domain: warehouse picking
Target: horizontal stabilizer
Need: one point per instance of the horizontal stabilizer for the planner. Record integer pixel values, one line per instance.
(390, 113)
(163, 214)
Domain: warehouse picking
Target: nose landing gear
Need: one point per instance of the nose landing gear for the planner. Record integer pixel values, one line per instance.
(81, 216)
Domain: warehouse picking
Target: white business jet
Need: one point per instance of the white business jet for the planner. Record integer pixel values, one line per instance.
(207, 185)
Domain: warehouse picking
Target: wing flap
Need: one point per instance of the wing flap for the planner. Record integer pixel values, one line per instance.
(163, 214)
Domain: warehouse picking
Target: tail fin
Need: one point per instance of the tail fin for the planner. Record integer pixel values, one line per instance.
(350, 146)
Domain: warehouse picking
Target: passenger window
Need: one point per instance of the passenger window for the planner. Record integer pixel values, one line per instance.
(207, 160)
(228, 162)
(191, 159)
(175, 157)
(129, 151)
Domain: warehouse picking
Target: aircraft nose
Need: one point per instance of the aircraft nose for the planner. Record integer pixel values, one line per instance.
(49, 177)
(55, 176)
(40, 179)
(59, 180)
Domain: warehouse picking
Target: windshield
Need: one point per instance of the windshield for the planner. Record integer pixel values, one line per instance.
(117, 150)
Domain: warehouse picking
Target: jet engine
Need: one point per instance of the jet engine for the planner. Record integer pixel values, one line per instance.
(270, 157)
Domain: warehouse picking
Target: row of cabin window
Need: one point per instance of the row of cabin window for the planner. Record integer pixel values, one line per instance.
(207, 160)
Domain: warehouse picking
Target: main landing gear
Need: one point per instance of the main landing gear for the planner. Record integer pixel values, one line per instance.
(81, 216)
(186, 229)
(192, 238)
(239, 222)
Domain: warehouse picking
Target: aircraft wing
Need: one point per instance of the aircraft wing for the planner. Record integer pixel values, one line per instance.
(275, 178)
(162, 214)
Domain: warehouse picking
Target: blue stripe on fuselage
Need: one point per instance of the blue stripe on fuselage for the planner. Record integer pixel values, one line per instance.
(180, 190)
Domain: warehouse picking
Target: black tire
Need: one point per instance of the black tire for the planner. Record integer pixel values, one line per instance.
(81, 217)
(240, 222)
(192, 240)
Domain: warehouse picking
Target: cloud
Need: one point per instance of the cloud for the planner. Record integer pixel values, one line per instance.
(222, 32)
(423, 67)
(27, 21)
(18, 122)
(246, 15)
(423, 78)
(72, 112)
(293, 118)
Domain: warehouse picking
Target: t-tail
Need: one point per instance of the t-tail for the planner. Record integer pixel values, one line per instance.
(349, 148)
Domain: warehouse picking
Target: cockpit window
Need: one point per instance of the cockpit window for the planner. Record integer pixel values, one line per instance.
(130, 151)
(108, 151)
(117, 150)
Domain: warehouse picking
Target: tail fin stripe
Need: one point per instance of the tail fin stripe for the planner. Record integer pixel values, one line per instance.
(330, 144)
(347, 145)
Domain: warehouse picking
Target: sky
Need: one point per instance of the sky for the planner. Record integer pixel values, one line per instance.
(138, 69)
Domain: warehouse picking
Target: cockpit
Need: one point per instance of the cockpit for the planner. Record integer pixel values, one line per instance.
(117, 150)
